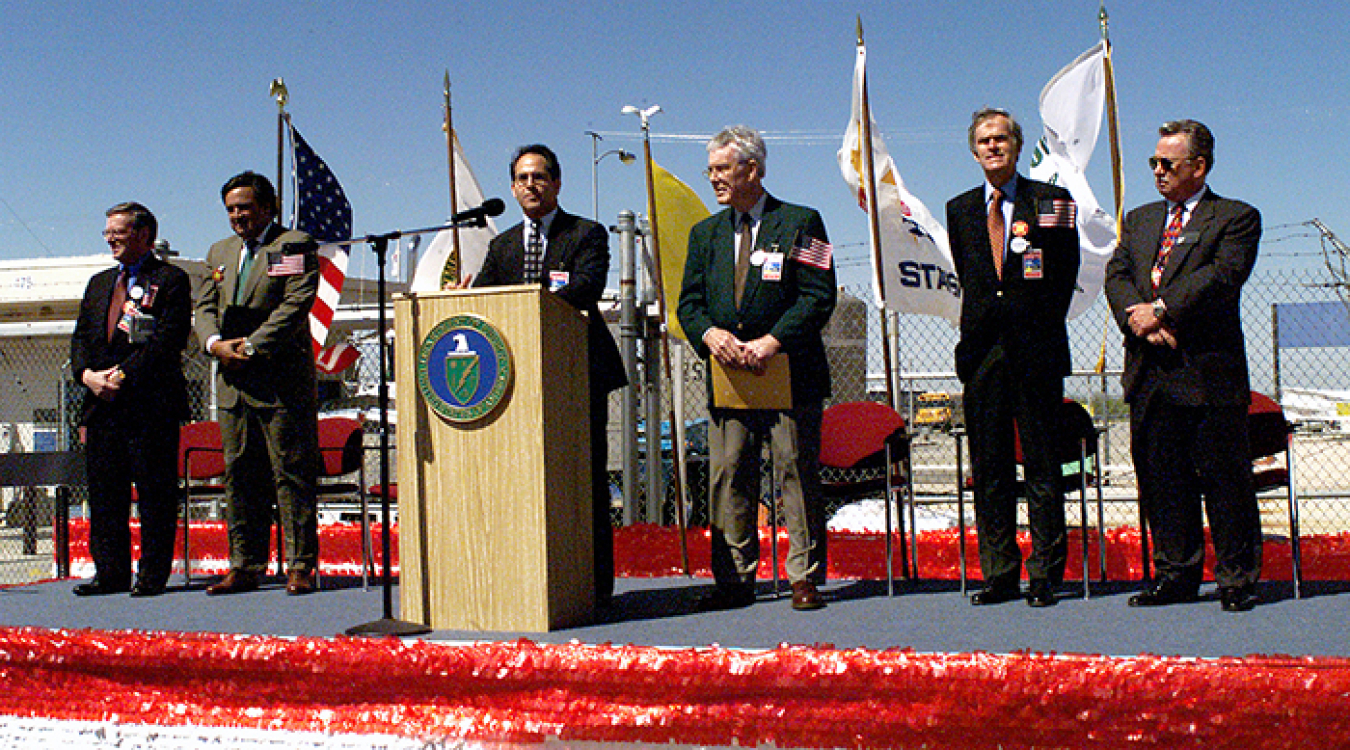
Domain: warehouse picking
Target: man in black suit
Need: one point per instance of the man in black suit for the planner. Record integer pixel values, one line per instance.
(759, 283)
(126, 353)
(569, 256)
(253, 317)
(1175, 287)
(1015, 245)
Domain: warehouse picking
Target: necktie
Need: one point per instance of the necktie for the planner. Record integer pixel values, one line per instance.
(118, 301)
(996, 231)
(1169, 239)
(250, 251)
(743, 250)
(534, 254)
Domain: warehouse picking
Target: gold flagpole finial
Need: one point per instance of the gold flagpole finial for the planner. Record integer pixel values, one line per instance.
(860, 34)
(278, 91)
(1104, 20)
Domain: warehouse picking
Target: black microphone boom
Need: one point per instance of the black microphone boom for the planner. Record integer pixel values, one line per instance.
(479, 216)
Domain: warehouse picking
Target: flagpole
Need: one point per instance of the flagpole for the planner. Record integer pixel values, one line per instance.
(1113, 123)
(677, 446)
(869, 179)
(278, 91)
(451, 273)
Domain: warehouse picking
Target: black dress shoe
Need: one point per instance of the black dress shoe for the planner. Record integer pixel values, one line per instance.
(146, 588)
(1041, 594)
(727, 597)
(98, 588)
(1237, 598)
(995, 595)
(1163, 593)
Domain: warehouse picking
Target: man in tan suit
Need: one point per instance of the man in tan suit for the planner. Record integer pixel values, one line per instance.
(252, 315)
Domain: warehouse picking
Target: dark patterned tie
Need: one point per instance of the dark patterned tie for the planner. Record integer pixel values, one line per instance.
(118, 301)
(996, 227)
(534, 254)
(1169, 239)
(743, 250)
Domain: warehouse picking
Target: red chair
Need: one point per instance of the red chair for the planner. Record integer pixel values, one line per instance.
(201, 473)
(342, 476)
(1269, 434)
(864, 447)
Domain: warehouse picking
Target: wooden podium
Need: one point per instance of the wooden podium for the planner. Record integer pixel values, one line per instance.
(494, 511)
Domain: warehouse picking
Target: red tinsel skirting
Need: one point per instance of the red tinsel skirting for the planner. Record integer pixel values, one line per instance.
(645, 551)
(790, 697)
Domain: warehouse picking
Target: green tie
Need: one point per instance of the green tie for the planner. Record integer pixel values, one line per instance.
(249, 252)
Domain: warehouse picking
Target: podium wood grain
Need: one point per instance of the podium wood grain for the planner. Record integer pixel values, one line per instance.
(494, 515)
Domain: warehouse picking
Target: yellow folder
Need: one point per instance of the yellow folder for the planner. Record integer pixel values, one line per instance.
(742, 389)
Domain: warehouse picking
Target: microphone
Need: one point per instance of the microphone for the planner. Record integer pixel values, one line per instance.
(478, 216)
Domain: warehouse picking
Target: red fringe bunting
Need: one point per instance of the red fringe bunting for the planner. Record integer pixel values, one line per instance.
(646, 551)
(523, 692)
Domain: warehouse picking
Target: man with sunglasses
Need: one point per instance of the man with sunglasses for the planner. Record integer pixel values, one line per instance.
(1175, 287)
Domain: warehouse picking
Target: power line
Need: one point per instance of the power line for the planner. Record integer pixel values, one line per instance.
(27, 228)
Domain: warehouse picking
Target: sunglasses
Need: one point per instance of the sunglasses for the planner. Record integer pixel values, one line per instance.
(1167, 164)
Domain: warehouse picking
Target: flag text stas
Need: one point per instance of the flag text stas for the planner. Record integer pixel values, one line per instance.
(323, 212)
(913, 264)
(1071, 112)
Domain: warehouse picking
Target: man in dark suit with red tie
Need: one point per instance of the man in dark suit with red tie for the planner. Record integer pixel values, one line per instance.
(1014, 242)
(126, 353)
(569, 256)
(1175, 287)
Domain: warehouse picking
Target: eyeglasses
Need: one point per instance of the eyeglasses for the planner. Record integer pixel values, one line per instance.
(1167, 164)
(535, 178)
(721, 169)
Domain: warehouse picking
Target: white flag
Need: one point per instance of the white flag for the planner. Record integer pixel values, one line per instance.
(473, 243)
(915, 258)
(1071, 110)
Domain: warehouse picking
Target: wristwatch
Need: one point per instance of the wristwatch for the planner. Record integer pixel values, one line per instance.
(1159, 309)
(249, 350)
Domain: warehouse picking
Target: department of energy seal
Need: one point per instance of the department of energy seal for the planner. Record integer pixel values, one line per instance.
(464, 368)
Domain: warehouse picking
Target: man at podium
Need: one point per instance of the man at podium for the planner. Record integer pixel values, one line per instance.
(569, 256)
(758, 288)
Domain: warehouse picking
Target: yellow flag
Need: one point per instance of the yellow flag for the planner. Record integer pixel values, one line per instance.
(679, 209)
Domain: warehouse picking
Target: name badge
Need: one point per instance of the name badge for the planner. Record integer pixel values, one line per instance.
(1033, 264)
(557, 280)
(773, 267)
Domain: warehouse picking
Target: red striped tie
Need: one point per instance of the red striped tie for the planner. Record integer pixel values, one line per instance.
(1169, 239)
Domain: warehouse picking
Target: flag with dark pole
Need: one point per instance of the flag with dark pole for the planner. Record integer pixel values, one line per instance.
(321, 210)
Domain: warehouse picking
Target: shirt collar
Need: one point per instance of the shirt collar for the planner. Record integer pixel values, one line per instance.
(1190, 202)
(756, 211)
(544, 223)
(1009, 189)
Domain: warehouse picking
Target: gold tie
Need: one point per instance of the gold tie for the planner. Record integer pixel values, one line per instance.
(118, 301)
(996, 231)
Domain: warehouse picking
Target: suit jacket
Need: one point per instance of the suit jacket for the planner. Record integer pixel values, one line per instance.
(1023, 313)
(274, 315)
(154, 388)
(793, 309)
(1202, 288)
(578, 248)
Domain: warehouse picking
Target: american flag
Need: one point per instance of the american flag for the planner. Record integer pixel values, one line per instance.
(1057, 213)
(323, 211)
(816, 254)
(285, 264)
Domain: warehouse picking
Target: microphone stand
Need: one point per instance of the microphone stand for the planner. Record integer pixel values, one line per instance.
(388, 625)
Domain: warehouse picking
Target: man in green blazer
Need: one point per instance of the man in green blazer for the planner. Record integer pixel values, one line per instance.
(758, 284)
(252, 315)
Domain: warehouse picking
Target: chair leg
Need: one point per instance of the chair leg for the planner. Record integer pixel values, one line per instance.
(1101, 508)
(913, 520)
(1083, 516)
(367, 558)
(773, 521)
(886, 509)
(961, 511)
(187, 524)
(1295, 553)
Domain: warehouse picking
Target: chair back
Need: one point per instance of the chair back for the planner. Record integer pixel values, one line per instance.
(1076, 426)
(854, 434)
(1267, 429)
(341, 446)
(201, 451)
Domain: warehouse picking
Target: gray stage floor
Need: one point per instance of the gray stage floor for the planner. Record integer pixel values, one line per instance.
(925, 617)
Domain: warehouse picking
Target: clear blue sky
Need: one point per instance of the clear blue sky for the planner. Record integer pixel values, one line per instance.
(162, 101)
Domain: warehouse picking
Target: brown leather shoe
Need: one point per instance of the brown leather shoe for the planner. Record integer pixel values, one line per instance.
(805, 596)
(236, 581)
(299, 582)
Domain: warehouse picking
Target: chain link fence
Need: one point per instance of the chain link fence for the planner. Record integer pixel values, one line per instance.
(38, 408)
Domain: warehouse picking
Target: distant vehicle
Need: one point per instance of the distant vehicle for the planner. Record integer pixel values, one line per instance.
(934, 410)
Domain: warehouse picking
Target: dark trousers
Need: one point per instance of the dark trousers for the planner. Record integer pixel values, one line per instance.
(602, 524)
(271, 459)
(1184, 455)
(121, 450)
(995, 400)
